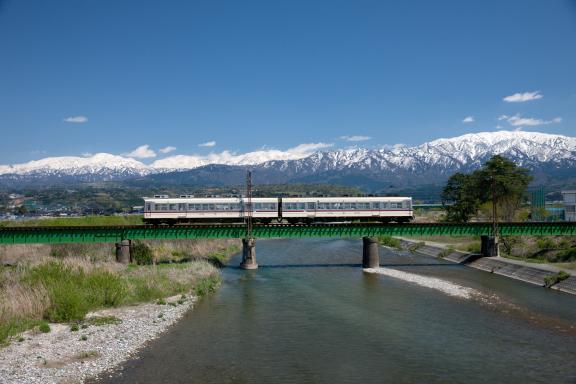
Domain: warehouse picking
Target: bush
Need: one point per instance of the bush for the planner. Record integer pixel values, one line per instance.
(545, 243)
(567, 255)
(142, 254)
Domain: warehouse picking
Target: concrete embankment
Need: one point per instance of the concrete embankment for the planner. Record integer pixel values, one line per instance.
(515, 269)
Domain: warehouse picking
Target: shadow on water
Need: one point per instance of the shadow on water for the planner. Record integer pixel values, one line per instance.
(344, 265)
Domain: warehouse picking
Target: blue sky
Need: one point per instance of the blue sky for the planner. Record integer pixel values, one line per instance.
(85, 76)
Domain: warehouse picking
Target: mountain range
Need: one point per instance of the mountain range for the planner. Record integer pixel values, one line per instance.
(551, 158)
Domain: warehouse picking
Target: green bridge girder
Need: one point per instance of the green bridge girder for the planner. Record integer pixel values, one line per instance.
(108, 234)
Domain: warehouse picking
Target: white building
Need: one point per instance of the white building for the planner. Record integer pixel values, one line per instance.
(569, 205)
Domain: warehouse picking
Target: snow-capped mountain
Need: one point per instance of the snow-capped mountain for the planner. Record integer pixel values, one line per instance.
(432, 162)
(98, 167)
(442, 156)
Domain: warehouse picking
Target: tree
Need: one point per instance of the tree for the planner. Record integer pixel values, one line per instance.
(500, 182)
(459, 198)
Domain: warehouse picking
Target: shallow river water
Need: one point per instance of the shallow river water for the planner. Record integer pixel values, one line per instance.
(311, 315)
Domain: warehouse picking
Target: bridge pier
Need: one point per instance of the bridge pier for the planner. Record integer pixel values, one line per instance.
(489, 246)
(123, 252)
(370, 257)
(249, 254)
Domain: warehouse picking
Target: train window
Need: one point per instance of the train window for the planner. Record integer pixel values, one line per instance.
(147, 207)
(311, 206)
(181, 207)
(258, 206)
(173, 207)
(161, 207)
(376, 205)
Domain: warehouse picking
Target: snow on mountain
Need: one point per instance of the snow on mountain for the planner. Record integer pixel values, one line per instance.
(98, 164)
(436, 159)
(449, 155)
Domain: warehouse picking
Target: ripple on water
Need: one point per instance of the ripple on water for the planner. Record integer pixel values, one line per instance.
(428, 282)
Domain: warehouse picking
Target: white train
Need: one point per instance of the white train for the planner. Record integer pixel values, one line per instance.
(187, 209)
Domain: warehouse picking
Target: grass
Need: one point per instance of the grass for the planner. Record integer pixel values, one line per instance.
(44, 327)
(64, 289)
(389, 241)
(76, 221)
(63, 282)
(555, 278)
(99, 321)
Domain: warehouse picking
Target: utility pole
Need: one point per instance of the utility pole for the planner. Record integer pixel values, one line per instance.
(248, 209)
(248, 243)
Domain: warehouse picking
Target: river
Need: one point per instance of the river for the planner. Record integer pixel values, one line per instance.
(311, 315)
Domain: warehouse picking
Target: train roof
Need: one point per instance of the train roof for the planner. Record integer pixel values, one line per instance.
(224, 200)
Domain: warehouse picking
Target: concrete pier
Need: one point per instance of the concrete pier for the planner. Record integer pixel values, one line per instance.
(489, 246)
(123, 252)
(249, 254)
(370, 257)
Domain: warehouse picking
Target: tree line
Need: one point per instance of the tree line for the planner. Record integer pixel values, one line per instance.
(500, 182)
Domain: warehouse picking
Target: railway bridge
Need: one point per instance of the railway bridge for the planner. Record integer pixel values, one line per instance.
(123, 235)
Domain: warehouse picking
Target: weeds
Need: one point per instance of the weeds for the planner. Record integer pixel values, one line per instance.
(44, 327)
(555, 278)
(102, 320)
(389, 241)
(52, 283)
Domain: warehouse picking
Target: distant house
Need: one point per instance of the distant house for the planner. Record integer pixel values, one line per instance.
(569, 205)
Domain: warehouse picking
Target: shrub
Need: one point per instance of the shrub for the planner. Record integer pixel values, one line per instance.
(142, 253)
(567, 255)
(83, 338)
(545, 243)
(74, 328)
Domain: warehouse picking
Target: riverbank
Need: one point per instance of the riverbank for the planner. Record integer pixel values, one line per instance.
(544, 275)
(105, 339)
(69, 312)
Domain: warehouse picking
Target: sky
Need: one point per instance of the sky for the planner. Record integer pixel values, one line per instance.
(152, 79)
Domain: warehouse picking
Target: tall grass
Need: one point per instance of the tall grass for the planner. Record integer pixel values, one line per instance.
(50, 284)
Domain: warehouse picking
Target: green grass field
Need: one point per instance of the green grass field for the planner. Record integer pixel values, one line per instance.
(76, 221)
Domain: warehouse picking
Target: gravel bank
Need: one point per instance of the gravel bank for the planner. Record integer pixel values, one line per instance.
(60, 356)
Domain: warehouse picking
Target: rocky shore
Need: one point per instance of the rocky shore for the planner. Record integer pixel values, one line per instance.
(66, 356)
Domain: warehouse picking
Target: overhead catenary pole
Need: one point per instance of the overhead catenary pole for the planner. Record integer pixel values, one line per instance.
(248, 243)
(248, 210)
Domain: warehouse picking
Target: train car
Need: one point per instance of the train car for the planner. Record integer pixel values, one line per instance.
(188, 209)
(165, 210)
(322, 209)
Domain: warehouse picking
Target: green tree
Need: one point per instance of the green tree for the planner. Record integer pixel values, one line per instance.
(460, 198)
(502, 180)
(499, 179)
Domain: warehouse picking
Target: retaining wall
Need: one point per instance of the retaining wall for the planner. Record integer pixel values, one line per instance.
(515, 270)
